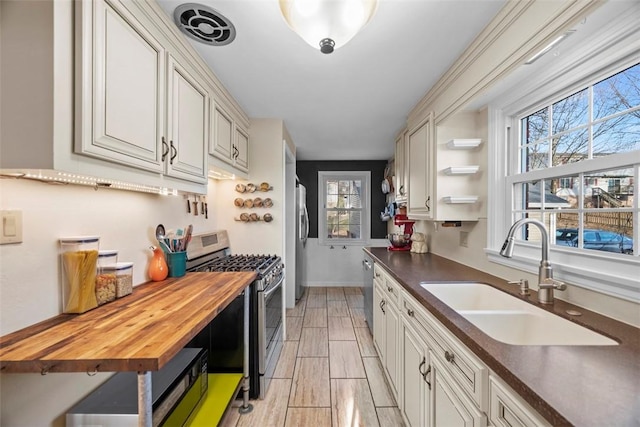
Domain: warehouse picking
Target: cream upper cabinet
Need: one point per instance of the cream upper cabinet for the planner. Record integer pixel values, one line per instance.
(187, 125)
(242, 149)
(419, 163)
(230, 142)
(222, 141)
(126, 72)
(400, 169)
(446, 167)
(140, 103)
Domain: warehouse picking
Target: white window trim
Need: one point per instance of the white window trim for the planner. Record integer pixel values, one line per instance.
(365, 176)
(618, 276)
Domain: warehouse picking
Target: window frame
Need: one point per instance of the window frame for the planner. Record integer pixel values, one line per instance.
(365, 228)
(602, 272)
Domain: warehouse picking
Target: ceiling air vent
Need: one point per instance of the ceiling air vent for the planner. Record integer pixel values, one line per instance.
(204, 24)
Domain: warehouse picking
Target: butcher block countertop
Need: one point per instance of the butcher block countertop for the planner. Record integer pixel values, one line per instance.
(140, 332)
(567, 385)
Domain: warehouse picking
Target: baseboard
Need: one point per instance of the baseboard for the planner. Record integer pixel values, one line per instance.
(334, 285)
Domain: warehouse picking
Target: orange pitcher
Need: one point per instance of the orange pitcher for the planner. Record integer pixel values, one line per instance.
(158, 269)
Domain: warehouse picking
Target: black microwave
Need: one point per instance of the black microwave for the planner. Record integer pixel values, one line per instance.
(176, 389)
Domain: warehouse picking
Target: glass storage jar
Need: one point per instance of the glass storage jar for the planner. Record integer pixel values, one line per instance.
(107, 256)
(79, 258)
(123, 272)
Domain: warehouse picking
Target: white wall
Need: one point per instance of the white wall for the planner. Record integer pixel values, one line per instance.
(29, 273)
(266, 164)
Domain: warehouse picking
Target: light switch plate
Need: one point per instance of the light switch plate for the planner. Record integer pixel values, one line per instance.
(11, 228)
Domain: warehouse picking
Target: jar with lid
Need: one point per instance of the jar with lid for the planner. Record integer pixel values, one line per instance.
(107, 256)
(123, 272)
(79, 258)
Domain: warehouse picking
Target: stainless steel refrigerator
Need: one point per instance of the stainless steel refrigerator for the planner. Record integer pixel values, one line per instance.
(302, 233)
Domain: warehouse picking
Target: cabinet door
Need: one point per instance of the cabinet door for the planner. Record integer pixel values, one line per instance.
(379, 325)
(222, 141)
(188, 125)
(126, 72)
(415, 389)
(419, 161)
(400, 170)
(450, 406)
(242, 149)
(391, 352)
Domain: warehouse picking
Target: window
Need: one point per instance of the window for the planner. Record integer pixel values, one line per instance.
(574, 160)
(344, 207)
(592, 129)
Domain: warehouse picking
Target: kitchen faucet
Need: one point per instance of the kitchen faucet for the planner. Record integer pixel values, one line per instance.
(546, 283)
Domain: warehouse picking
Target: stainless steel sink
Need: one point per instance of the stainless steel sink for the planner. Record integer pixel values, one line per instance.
(510, 320)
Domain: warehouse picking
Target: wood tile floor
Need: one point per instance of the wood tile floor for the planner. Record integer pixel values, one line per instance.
(328, 373)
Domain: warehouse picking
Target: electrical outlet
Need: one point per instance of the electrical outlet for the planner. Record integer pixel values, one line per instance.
(464, 239)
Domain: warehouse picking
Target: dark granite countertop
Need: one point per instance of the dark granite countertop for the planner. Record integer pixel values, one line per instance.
(567, 385)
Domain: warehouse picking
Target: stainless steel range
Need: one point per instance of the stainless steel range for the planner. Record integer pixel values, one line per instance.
(210, 252)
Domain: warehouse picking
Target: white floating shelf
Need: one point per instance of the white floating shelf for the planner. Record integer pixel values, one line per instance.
(460, 199)
(461, 170)
(463, 144)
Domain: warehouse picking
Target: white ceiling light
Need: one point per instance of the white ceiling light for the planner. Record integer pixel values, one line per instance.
(327, 24)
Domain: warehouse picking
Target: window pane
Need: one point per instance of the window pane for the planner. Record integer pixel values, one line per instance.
(617, 93)
(530, 232)
(343, 187)
(332, 187)
(354, 201)
(535, 126)
(332, 200)
(609, 189)
(535, 156)
(570, 112)
(617, 135)
(570, 147)
(354, 218)
(563, 193)
(608, 232)
(332, 224)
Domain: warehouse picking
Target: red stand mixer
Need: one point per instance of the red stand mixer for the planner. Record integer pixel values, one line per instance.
(401, 241)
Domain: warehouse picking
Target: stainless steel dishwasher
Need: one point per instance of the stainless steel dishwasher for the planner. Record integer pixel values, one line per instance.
(367, 272)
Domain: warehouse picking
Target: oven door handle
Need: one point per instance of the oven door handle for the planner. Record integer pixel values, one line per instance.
(274, 287)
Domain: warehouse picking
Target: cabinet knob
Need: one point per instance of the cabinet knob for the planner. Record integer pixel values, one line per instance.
(410, 312)
(449, 356)
(389, 289)
(426, 204)
(401, 190)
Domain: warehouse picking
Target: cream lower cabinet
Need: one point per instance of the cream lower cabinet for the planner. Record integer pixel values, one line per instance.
(430, 393)
(386, 324)
(449, 405)
(507, 409)
(415, 370)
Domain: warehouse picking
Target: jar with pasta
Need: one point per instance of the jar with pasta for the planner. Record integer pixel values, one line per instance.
(79, 259)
